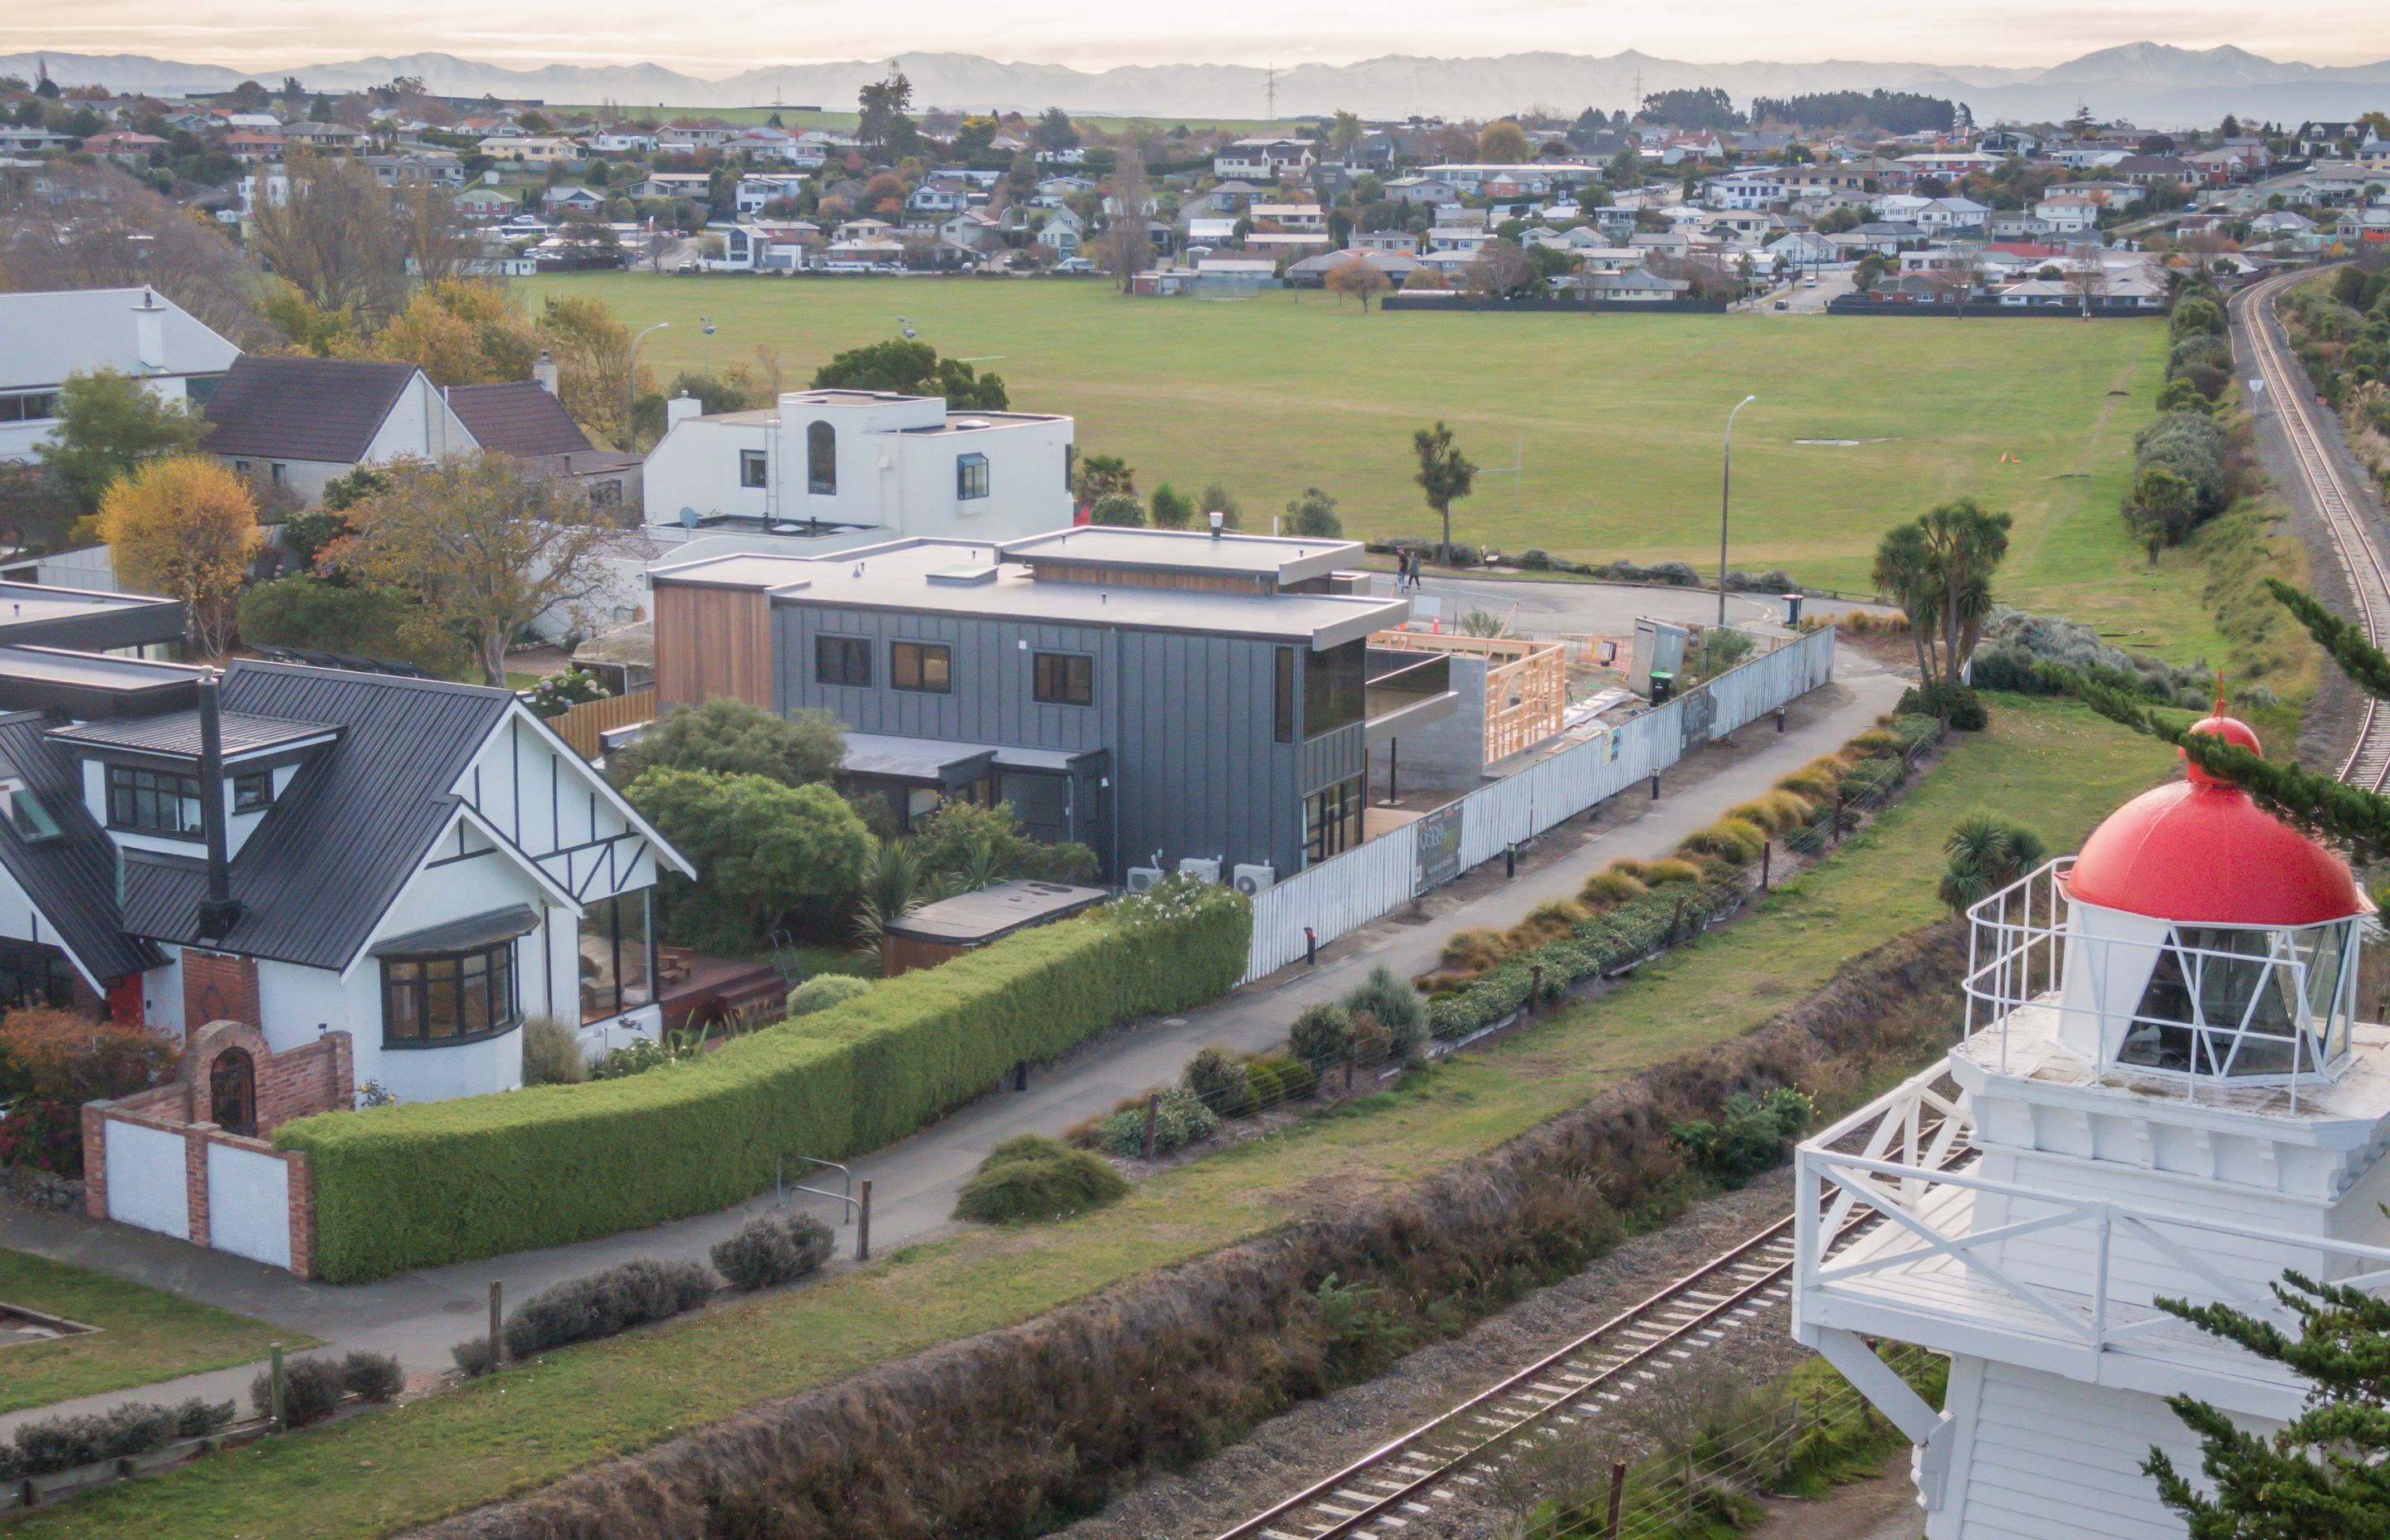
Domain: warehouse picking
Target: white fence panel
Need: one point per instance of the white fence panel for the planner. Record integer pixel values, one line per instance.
(248, 1204)
(147, 1183)
(1344, 894)
(1340, 894)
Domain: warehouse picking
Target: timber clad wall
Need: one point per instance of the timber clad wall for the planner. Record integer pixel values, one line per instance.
(711, 642)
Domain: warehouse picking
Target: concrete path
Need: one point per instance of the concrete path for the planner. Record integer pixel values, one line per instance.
(418, 1315)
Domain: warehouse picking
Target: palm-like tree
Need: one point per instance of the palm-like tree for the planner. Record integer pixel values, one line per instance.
(1939, 571)
(1986, 853)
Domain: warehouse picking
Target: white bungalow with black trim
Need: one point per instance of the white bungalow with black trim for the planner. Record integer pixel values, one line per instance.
(420, 864)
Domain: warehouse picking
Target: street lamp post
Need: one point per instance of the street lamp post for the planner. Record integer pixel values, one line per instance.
(631, 391)
(1726, 497)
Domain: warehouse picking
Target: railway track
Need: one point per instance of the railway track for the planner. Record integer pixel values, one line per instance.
(2336, 503)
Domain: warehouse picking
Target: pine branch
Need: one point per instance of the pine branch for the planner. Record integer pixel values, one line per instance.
(2365, 664)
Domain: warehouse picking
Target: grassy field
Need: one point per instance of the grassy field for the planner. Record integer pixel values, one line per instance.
(1620, 416)
(2054, 764)
(145, 1335)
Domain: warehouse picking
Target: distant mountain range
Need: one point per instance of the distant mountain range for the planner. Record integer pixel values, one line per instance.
(2149, 83)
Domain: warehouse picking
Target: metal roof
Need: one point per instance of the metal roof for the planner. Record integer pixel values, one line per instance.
(53, 333)
(178, 733)
(1283, 559)
(71, 877)
(974, 918)
(330, 855)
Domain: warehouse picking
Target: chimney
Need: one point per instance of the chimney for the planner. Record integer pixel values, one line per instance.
(1218, 519)
(680, 409)
(219, 911)
(542, 369)
(149, 332)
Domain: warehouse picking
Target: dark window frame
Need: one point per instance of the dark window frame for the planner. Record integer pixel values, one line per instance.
(853, 655)
(426, 976)
(821, 460)
(1333, 819)
(35, 975)
(1063, 678)
(1284, 715)
(970, 477)
(252, 791)
(921, 655)
(1335, 688)
(133, 789)
(754, 470)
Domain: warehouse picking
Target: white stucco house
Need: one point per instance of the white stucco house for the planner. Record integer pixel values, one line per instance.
(47, 335)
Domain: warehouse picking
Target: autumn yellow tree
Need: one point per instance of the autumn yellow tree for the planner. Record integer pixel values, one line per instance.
(186, 527)
(462, 331)
(483, 544)
(1359, 277)
(1504, 142)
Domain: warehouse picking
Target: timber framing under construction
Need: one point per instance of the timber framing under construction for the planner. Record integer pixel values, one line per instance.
(1526, 682)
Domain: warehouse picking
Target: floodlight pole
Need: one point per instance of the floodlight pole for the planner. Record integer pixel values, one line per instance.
(631, 391)
(1725, 498)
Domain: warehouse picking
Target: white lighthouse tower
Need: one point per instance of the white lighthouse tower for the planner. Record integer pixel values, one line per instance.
(2163, 1094)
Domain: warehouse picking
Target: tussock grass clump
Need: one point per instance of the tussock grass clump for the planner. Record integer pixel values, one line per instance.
(1736, 842)
(1670, 871)
(1810, 784)
(1034, 1177)
(550, 1054)
(1473, 950)
(1550, 920)
(1610, 885)
(1875, 743)
(1775, 812)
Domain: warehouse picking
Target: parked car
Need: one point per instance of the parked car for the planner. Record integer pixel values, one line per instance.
(1809, 282)
(1783, 304)
(1075, 264)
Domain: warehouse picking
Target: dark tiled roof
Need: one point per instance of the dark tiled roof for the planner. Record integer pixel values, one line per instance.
(330, 855)
(520, 419)
(70, 878)
(178, 733)
(303, 408)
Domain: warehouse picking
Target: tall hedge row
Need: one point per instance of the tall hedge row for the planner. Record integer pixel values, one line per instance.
(418, 1186)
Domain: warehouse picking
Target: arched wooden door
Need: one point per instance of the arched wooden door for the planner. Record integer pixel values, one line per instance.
(232, 1093)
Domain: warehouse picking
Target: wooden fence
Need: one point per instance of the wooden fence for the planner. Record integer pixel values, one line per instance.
(1348, 892)
(580, 725)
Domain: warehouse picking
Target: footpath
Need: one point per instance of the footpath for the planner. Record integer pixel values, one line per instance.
(419, 1315)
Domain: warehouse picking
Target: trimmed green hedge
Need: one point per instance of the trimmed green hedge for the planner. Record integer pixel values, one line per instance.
(418, 1186)
(1612, 939)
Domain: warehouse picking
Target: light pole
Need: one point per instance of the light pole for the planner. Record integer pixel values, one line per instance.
(631, 391)
(1726, 496)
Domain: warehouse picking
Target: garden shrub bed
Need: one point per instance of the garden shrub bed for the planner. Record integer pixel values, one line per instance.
(418, 1186)
(1019, 1430)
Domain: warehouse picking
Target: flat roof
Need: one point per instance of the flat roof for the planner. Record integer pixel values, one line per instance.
(1287, 558)
(998, 910)
(897, 576)
(177, 733)
(34, 602)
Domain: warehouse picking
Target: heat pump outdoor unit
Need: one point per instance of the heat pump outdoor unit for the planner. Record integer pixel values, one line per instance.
(1142, 877)
(1252, 881)
(1202, 869)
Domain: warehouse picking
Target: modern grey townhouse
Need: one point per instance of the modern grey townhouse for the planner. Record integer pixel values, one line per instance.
(1161, 697)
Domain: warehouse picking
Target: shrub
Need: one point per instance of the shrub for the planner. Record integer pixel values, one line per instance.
(43, 1134)
(1219, 1080)
(372, 1376)
(62, 1443)
(310, 1390)
(1293, 1079)
(1319, 1033)
(433, 1181)
(1178, 1119)
(824, 990)
(1941, 699)
(773, 1249)
(1984, 852)
(476, 1356)
(1875, 743)
(1750, 1134)
(1474, 950)
(1871, 778)
(636, 1058)
(604, 1302)
(550, 1054)
(1395, 1005)
(1610, 885)
(1033, 1177)
(1371, 1042)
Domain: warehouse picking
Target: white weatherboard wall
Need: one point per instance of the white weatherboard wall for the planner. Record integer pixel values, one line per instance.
(248, 1204)
(2043, 1456)
(147, 1178)
(1348, 892)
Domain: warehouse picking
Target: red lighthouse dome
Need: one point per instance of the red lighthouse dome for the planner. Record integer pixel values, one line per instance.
(2199, 851)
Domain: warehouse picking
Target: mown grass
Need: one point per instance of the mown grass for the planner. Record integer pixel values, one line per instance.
(145, 1334)
(1620, 416)
(2051, 761)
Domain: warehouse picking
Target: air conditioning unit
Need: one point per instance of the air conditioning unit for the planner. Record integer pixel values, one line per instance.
(1142, 877)
(1202, 868)
(1253, 881)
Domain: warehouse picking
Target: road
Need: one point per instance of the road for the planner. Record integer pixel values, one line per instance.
(418, 1315)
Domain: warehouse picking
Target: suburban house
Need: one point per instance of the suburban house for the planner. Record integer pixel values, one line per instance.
(524, 417)
(415, 864)
(572, 200)
(302, 423)
(768, 246)
(1158, 695)
(830, 470)
(1265, 161)
(53, 333)
(2068, 214)
(754, 191)
(1633, 286)
(124, 146)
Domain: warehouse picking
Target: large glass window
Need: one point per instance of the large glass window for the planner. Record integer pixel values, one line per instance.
(971, 476)
(31, 974)
(448, 996)
(2228, 982)
(32, 820)
(842, 661)
(926, 666)
(1040, 803)
(153, 801)
(614, 972)
(1065, 678)
(29, 406)
(1332, 818)
(821, 460)
(1334, 687)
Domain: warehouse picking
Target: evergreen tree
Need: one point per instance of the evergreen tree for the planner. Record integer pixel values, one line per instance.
(2325, 1474)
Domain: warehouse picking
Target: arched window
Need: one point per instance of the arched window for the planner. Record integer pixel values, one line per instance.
(821, 460)
(232, 1093)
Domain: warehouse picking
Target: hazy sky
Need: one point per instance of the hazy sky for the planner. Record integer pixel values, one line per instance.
(739, 34)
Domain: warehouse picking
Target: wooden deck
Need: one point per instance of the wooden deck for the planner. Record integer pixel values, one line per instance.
(696, 990)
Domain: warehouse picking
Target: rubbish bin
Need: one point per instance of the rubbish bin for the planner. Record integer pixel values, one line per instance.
(1792, 609)
(1663, 687)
